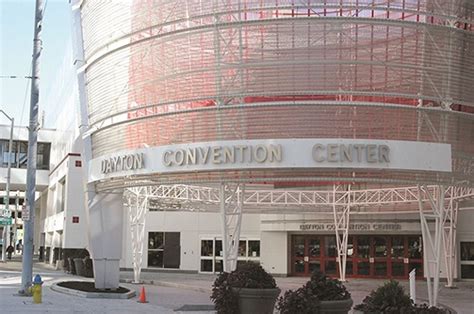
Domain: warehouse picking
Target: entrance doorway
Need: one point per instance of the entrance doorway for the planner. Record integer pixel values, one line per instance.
(368, 256)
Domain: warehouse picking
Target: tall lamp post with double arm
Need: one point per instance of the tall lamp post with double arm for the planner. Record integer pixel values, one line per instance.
(6, 227)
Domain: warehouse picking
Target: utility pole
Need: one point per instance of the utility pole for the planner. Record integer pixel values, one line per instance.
(29, 222)
(6, 228)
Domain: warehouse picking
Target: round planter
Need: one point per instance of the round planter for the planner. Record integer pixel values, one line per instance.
(335, 307)
(256, 301)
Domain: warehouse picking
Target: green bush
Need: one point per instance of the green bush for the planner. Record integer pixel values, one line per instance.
(326, 289)
(298, 301)
(392, 299)
(247, 275)
(305, 300)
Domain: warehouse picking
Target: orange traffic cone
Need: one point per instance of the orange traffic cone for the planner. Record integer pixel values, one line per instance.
(142, 297)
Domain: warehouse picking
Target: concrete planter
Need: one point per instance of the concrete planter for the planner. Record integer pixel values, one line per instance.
(256, 301)
(335, 307)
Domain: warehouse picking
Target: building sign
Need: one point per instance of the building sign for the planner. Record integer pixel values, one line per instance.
(353, 227)
(223, 155)
(122, 163)
(275, 154)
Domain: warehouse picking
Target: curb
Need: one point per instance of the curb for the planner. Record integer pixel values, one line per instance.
(93, 295)
(168, 284)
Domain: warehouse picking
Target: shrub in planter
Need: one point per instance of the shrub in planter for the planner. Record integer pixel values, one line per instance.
(319, 295)
(298, 301)
(327, 289)
(392, 299)
(389, 298)
(248, 289)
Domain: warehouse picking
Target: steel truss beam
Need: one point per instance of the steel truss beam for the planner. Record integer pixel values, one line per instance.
(231, 202)
(450, 219)
(341, 223)
(200, 198)
(443, 218)
(137, 203)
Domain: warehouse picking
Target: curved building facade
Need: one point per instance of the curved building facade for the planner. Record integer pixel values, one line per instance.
(207, 71)
(356, 103)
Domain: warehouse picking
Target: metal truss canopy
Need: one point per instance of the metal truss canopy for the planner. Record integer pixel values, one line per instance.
(384, 200)
(435, 204)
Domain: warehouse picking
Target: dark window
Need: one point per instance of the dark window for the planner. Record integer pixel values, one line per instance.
(298, 244)
(206, 248)
(242, 248)
(164, 249)
(330, 267)
(380, 244)
(415, 248)
(467, 251)
(314, 247)
(467, 260)
(206, 265)
(219, 251)
(254, 248)
(331, 247)
(398, 247)
(363, 268)
(467, 271)
(363, 247)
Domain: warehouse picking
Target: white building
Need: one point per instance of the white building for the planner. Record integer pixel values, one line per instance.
(18, 159)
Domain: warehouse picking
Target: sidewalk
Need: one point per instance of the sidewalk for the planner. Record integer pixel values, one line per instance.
(168, 291)
(460, 299)
(161, 300)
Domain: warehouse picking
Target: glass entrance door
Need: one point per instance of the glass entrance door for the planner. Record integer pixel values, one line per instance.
(368, 256)
(298, 255)
(306, 254)
(379, 257)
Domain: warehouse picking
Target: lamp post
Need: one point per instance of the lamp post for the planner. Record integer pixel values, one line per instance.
(6, 228)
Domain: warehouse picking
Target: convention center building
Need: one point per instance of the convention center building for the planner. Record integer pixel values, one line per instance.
(303, 135)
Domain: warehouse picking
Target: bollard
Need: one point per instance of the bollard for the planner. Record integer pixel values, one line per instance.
(36, 290)
(412, 276)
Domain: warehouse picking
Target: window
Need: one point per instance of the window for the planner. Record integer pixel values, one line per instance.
(467, 260)
(254, 248)
(19, 156)
(212, 253)
(164, 249)
(62, 195)
(415, 247)
(331, 247)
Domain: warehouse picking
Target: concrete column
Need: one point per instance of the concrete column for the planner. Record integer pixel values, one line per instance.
(105, 238)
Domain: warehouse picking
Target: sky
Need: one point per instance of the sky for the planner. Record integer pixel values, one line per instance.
(16, 40)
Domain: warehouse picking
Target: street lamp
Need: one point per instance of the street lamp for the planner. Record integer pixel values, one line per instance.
(6, 228)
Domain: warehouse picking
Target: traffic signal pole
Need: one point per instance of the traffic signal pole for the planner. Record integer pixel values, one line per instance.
(27, 272)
